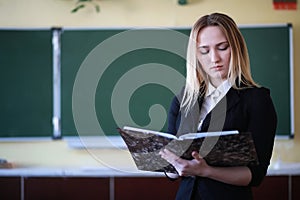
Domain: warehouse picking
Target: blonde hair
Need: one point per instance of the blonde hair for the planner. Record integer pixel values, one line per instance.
(239, 74)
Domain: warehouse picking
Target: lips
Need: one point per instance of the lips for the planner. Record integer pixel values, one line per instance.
(219, 67)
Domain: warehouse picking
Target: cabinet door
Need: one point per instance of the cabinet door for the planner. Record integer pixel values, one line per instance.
(10, 188)
(146, 188)
(295, 187)
(272, 187)
(45, 188)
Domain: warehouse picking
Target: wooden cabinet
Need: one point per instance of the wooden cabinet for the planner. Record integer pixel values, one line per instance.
(295, 188)
(148, 188)
(66, 188)
(119, 188)
(272, 187)
(10, 188)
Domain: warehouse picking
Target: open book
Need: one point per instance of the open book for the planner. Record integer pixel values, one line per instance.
(223, 148)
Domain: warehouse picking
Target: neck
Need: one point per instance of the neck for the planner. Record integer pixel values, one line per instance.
(216, 82)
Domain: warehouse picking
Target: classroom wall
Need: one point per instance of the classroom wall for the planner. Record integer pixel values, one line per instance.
(136, 13)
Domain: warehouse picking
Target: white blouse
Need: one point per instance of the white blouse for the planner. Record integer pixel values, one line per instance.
(212, 97)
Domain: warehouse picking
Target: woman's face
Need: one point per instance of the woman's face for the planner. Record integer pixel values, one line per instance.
(213, 53)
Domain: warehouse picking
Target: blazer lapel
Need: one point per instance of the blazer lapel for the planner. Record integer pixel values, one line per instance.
(232, 98)
(215, 119)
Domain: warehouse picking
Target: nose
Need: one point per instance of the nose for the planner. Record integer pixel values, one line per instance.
(214, 56)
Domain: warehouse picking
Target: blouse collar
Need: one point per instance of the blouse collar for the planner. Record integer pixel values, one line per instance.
(223, 88)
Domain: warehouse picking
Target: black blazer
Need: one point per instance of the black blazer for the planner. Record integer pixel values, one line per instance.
(245, 110)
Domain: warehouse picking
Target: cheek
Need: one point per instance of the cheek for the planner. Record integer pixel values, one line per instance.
(204, 61)
(226, 60)
(227, 57)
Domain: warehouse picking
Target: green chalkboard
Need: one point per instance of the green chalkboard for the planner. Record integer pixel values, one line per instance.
(137, 57)
(25, 83)
(271, 63)
(115, 77)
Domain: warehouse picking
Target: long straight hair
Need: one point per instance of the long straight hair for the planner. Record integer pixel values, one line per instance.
(239, 73)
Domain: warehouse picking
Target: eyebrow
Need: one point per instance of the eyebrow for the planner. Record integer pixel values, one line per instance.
(220, 43)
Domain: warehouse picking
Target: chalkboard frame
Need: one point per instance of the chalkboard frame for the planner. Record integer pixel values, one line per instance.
(55, 127)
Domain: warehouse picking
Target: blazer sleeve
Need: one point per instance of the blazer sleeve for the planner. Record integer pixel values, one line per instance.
(262, 125)
(174, 116)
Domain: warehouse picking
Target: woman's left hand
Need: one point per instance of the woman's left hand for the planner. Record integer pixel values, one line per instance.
(194, 167)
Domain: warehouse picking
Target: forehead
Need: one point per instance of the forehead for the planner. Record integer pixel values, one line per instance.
(211, 35)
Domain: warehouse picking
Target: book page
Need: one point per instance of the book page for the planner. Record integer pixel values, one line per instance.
(144, 131)
(182, 137)
(206, 134)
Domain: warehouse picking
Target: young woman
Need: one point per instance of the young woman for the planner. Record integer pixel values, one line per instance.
(220, 94)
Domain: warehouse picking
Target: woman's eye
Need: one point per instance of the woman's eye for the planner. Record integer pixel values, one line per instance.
(223, 47)
(203, 51)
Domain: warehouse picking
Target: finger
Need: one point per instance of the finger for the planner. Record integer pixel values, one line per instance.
(161, 152)
(196, 155)
(169, 156)
(164, 154)
(168, 151)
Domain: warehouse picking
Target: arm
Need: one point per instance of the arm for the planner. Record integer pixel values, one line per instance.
(173, 116)
(262, 124)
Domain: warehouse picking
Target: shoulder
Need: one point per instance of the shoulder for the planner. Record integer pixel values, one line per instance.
(255, 92)
(257, 98)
